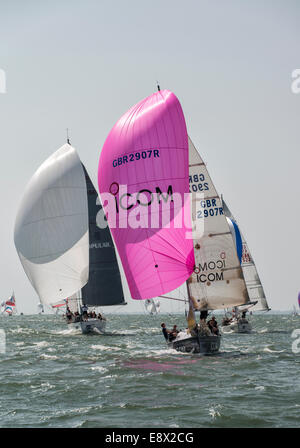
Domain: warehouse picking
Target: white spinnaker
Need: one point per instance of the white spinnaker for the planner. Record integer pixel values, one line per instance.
(253, 283)
(51, 229)
(217, 281)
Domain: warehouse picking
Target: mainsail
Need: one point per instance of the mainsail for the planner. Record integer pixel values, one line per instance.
(253, 283)
(143, 168)
(217, 280)
(104, 286)
(51, 229)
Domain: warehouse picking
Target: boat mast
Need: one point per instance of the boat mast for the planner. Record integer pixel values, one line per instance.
(68, 140)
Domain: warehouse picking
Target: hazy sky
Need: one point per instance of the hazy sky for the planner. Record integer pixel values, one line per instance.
(82, 64)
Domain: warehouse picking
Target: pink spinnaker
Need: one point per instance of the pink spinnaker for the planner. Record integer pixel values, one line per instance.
(147, 151)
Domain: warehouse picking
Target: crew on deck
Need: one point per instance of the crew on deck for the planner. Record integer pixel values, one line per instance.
(84, 312)
(169, 335)
(243, 318)
(203, 328)
(69, 315)
(213, 325)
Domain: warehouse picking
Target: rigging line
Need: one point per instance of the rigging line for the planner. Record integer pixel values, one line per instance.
(171, 298)
(219, 234)
(196, 164)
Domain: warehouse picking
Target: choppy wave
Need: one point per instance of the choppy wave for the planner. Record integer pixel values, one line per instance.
(53, 376)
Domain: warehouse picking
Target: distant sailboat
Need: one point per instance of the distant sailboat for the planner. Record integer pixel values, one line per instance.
(295, 312)
(40, 308)
(252, 279)
(9, 307)
(152, 306)
(60, 248)
(148, 151)
(258, 301)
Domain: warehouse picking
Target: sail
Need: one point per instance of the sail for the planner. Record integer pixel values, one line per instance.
(9, 306)
(217, 280)
(253, 283)
(299, 299)
(143, 169)
(152, 306)
(40, 308)
(104, 286)
(51, 229)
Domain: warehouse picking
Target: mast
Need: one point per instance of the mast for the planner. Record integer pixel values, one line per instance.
(68, 140)
(190, 317)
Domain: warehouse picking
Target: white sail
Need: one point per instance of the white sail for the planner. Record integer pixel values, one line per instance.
(40, 308)
(152, 306)
(255, 289)
(217, 281)
(51, 229)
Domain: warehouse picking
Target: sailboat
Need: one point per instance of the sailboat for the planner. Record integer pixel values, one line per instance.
(238, 322)
(152, 306)
(148, 165)
(61, 249)
(40, 308)
(8, 307)
(295, 312)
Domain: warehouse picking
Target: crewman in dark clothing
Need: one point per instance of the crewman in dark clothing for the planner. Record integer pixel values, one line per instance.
(213, 325)
(165, 331)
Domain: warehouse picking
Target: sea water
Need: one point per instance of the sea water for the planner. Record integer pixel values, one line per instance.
(51, 376)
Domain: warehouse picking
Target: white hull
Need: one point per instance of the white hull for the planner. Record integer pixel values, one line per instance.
(89, 326)
(238, 326)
